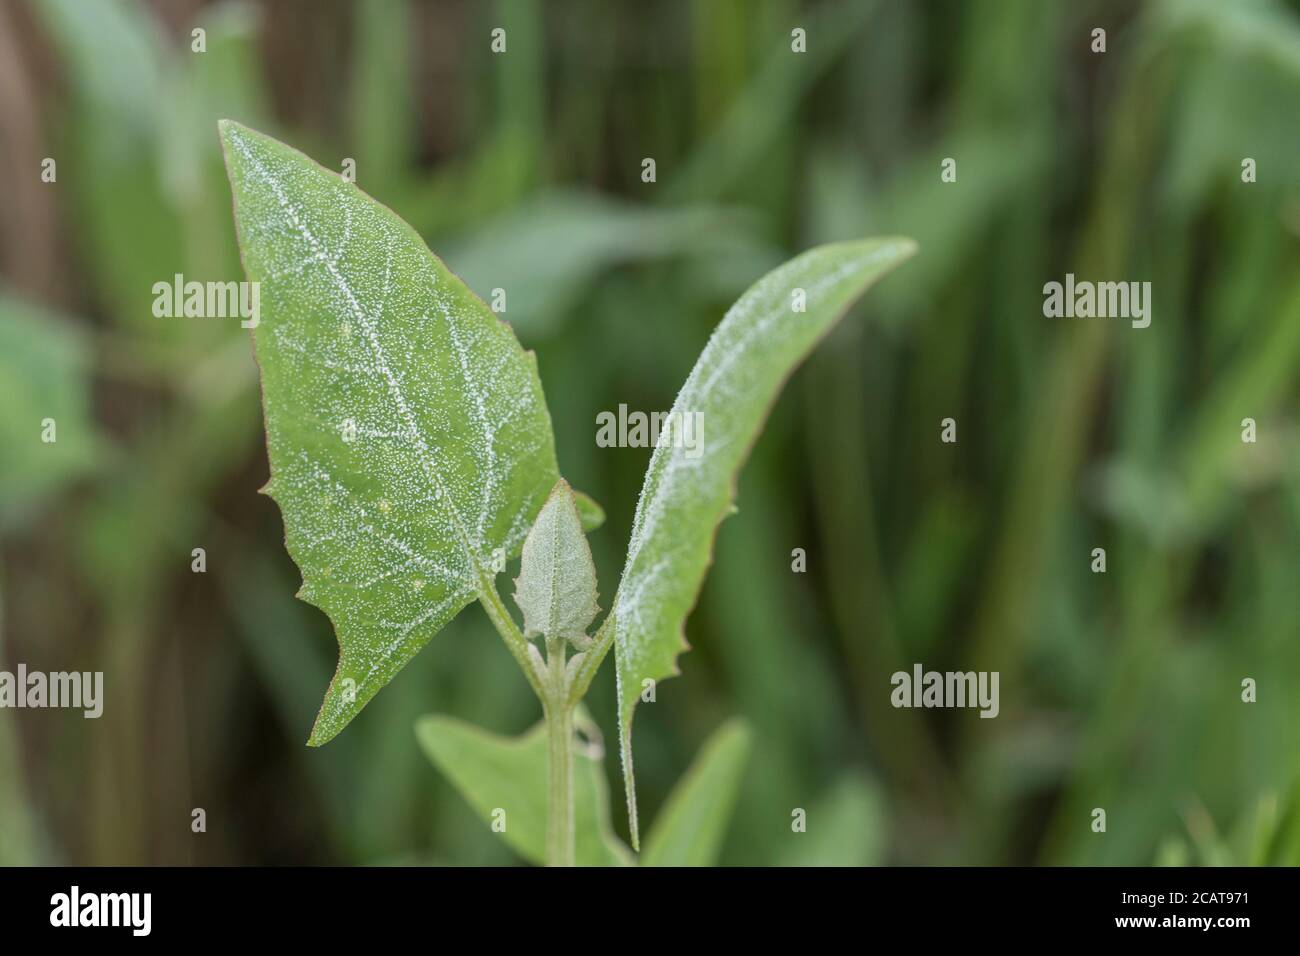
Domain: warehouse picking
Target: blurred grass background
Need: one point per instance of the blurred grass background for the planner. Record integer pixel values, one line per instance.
(522, 170)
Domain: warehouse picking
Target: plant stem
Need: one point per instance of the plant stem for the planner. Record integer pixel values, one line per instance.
(559, 763)
(552, 690)
(592, 658)
(516, 643)
(559, 796)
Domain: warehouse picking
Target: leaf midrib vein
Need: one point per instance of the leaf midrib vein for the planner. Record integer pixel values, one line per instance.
(699, 392)
(373, 340)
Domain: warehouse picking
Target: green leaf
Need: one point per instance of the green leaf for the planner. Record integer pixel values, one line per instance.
(118, 73)
(556, 587)
(381, 118)
(44, 363)
(406, 429)
(689, 485)
(692, 823)
(591, 513)
(503, 773)
(547, 251)
(846, 827)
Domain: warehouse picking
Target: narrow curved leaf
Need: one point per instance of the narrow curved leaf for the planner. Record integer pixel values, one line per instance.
(406, 429)
(690, 485)
(508, 774)
(689, 829)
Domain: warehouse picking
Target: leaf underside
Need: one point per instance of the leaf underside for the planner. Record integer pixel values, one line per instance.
(689, 490)
(406, 428)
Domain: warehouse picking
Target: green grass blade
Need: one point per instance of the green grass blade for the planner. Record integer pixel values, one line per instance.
(44, 364)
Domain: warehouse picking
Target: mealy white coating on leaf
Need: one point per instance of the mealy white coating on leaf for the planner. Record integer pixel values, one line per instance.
(738, 375)
(406, 428)
(556, 587)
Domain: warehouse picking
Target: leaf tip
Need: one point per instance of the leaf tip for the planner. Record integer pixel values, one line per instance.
(228, 127)
(228, 130)
(323, 731)
(907, 246)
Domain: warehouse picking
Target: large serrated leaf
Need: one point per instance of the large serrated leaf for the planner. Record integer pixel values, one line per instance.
(406, 429)
(689, 487)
